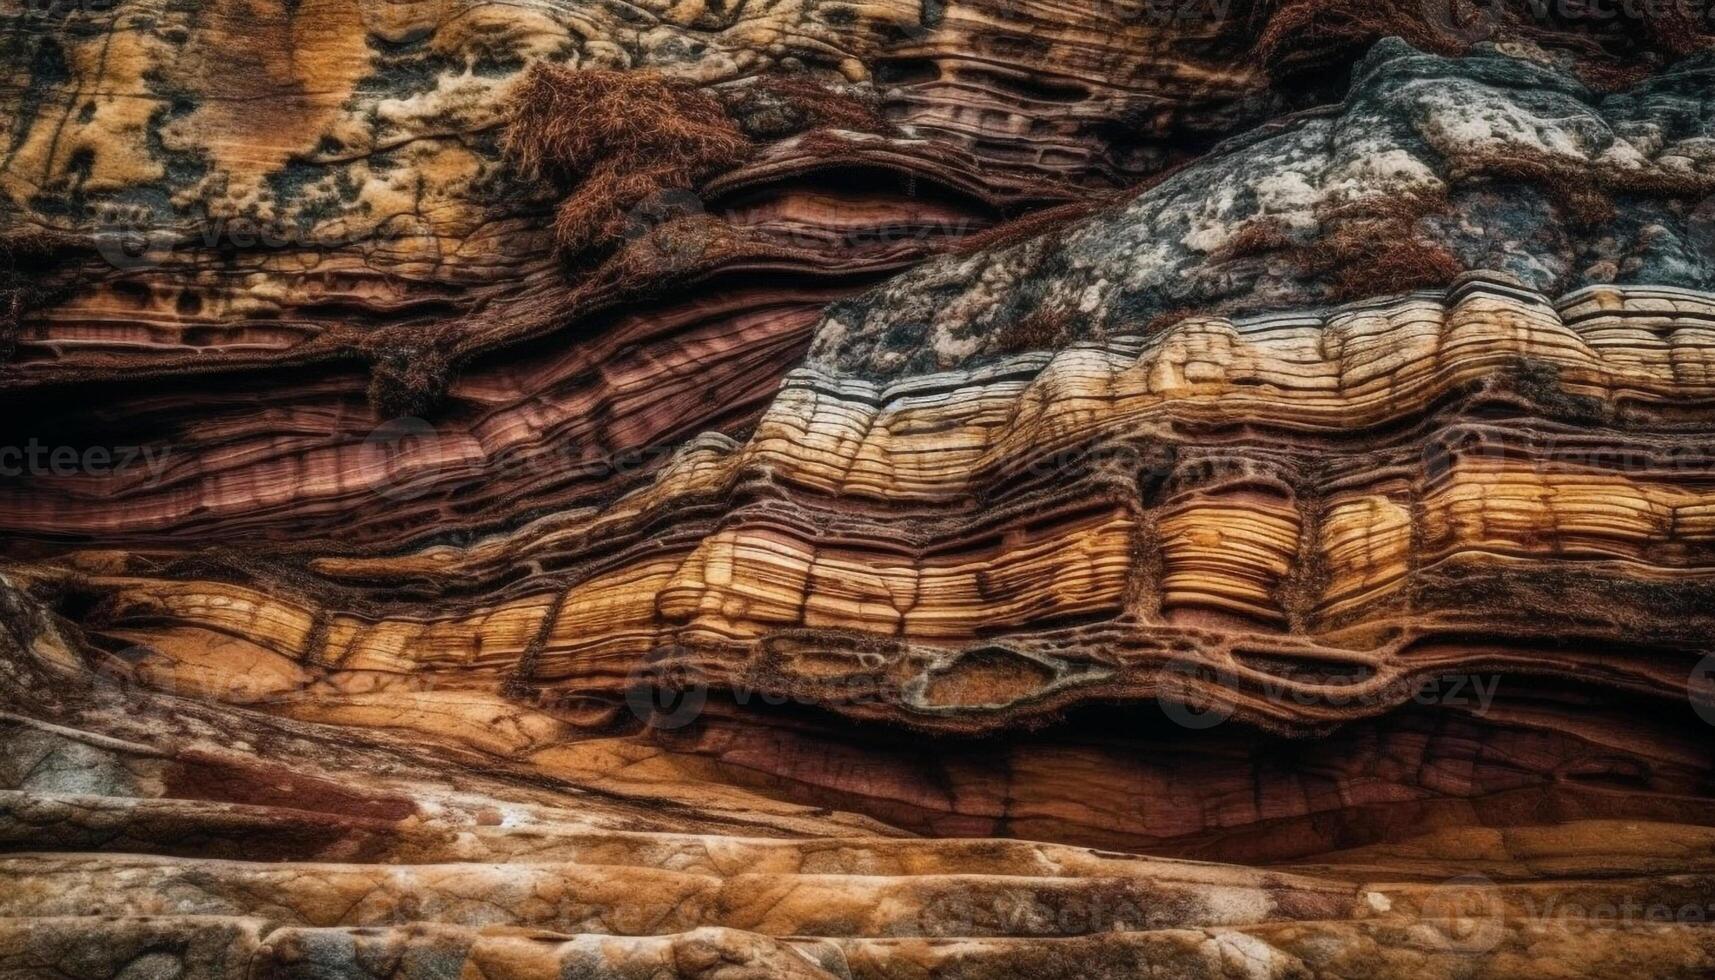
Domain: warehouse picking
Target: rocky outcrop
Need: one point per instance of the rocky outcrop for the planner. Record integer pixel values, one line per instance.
(1429, 168)
(865, 491)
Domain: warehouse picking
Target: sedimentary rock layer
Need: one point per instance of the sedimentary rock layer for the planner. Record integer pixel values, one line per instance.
(959, 551)
(1430, 167)
(453, 423)
(856, 491)
(1478, 493)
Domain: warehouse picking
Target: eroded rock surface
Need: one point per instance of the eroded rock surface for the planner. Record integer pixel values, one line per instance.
(854, 491)
(1431, 167)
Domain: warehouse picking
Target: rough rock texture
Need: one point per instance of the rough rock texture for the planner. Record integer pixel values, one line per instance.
(1221, 488)
(1430, 167)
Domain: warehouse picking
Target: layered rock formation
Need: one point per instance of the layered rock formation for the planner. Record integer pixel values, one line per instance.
(871, 491)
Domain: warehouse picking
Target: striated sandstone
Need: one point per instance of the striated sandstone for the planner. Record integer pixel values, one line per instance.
(886, 490)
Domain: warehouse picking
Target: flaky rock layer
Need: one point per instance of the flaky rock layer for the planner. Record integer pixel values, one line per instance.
(856, 491)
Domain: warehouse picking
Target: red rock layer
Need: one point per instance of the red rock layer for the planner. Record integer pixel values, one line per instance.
(460, 568)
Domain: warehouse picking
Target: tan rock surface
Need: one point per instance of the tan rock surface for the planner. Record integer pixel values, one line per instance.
(876, 491)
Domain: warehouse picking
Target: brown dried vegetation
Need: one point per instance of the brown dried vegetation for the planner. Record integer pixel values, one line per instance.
(1259, 237)
(26, 257)
(1367, 248)
(1026, 227)
(408, 382)
(1037, 330)
(1300, 34)
(620, 138)
(1374, 248)
(1584, 195)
